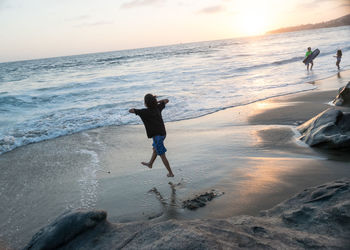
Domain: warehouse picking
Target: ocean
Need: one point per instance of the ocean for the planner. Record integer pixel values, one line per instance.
(47, 98)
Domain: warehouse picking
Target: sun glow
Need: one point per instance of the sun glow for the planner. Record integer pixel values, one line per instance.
(253, 23)
(253, 17)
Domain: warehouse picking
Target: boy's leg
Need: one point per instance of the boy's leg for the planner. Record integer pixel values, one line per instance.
(167, 165)
(312, 64)
(153, 158)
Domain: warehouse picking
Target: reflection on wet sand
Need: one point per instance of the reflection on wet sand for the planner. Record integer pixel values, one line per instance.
(266, 174)
(170, 209)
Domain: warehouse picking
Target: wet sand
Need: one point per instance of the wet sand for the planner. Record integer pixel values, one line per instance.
(251, 153)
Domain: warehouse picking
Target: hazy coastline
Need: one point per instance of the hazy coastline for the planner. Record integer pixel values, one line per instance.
(341, 21)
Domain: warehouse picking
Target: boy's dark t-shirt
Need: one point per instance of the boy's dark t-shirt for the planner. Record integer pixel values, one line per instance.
(152, 119)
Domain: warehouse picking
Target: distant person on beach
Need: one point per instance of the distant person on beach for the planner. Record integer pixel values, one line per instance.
(309, 52)
(338, 56)
(151, 117)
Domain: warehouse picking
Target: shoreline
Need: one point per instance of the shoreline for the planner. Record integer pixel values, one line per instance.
(248, 152)
(53, 137)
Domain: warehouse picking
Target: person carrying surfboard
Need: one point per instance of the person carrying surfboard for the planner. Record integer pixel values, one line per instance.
(309, 52)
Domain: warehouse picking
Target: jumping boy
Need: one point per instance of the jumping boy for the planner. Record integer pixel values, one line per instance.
(151, 117)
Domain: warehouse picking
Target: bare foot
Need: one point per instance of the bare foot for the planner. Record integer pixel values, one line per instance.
(146, 164)
(170, 175)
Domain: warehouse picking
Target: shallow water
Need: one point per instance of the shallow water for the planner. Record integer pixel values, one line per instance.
(46, 98)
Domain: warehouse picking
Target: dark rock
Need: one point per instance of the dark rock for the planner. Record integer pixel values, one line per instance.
(343, 98)
(329, 129)
(317, 209)
(65, 228)
(200, 200)
(298, 216)
(256, 230)
(303, 222)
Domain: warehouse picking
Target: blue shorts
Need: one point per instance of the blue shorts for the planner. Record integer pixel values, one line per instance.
(158, 144)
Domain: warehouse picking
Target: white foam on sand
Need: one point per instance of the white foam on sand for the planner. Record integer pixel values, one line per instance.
(88, 181)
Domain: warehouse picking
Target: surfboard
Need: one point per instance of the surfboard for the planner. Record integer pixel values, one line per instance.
(312, 56)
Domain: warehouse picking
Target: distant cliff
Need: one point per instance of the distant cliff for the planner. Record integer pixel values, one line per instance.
(341, 21)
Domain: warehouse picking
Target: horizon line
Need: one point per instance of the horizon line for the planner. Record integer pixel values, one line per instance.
(156, 46)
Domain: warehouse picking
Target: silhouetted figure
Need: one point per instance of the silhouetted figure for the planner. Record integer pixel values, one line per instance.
(309, 52)
(151, 117)
(338, 56)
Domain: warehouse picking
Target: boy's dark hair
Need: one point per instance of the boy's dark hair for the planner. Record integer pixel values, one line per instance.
(150, 101)
(339, 53)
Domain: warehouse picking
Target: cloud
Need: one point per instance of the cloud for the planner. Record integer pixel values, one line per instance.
(340, 3)
(316, 3)
(334, 1)
(91, 24)
(212, 9)
(3, 4)
(345, 4)
(138, 3)
(87, 21)
(79, 18)
(308, 4)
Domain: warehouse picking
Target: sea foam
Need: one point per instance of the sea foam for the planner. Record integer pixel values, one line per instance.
(46, 98)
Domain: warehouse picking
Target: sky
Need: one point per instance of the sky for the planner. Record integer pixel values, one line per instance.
(47, 28)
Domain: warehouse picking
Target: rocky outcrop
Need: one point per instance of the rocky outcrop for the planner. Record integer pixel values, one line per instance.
(317, 218)
(325, 208)
(329, 129)
(65, 228)
(343, 98)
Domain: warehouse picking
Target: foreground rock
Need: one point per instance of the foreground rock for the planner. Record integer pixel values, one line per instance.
(65, 228)
(329, 129)
(343, 98)
(317, 218)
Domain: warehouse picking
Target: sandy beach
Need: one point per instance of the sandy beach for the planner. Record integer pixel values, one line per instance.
(249, 153)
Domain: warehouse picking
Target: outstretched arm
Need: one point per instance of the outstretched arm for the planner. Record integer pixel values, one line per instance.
(165, 101)
(132, 111)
